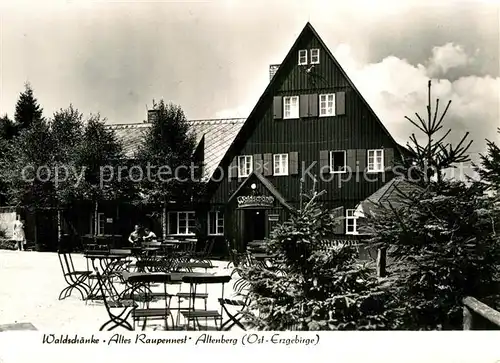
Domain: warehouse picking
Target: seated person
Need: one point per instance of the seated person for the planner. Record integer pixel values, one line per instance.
(149, 235)
(135, 237)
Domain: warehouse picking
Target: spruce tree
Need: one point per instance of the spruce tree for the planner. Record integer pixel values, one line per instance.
(489, 168)
(442, 239)
(310, 284)
(28, 111)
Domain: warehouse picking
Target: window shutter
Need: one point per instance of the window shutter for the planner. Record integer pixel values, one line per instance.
(388, 159)
(351, 160)
(340, 103)
(361, 157)
(313, 105)
(268, 164)
(232, 171)
(303, 106)
(324, 161)
(293, 159)
(257, 163)
(278, 107)
(339, 213)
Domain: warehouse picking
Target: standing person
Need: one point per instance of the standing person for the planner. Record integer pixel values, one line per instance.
(18, 234)
(135, 237)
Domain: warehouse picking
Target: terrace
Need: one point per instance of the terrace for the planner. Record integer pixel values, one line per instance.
(32, 283)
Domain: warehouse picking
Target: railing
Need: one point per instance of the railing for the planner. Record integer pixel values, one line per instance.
(479, 316)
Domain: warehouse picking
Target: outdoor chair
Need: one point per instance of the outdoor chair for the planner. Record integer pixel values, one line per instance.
(76, 280)
(114, 302)
(206, 252)
(192, 314)
(235, 318)
(148, 312)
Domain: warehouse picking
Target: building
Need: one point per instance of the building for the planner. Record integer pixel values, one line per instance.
(311, 123)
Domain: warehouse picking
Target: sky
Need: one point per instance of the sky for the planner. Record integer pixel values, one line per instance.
(212, 57)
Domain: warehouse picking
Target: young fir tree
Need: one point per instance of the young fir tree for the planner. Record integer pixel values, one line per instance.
(489, 170)
(429, 159)
(443, 239)
(309, 286)
(28, 111)
(168, 152)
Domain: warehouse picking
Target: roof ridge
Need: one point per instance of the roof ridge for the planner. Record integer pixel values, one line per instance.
(207, 121)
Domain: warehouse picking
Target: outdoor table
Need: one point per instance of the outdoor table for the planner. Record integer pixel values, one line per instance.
(191, 265)
(107, 262)
(262, 256)
(161, 277)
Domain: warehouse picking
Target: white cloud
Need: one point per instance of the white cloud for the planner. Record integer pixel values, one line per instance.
(447, 57)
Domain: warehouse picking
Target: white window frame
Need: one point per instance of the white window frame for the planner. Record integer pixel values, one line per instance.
(324, 100)
(248, 161)
(100, 229)
(185, 231)
(282, 160)
(332, 171)
(302, 57)
(219, 223)
(314, 57)
(373, 166)
(292, 112)
(350, 217)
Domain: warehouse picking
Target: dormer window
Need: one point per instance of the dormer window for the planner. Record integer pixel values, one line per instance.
(314, 56)
(302, 57)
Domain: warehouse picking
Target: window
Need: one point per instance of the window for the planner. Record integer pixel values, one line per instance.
(280, 164)
(302, 57)
(314, 56)
(338, 161)
(215, 223)
(245, 163)
(291, 106)
(181, 223)
(350, 222)
(376, 161)
(101, 222)
(327, 104)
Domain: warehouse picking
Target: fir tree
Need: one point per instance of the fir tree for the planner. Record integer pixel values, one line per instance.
(28, 111)
(429, 159)
(443, 239)
(309, 285)
(489, 170)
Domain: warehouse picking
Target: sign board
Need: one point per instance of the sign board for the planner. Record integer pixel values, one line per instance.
(109, 220)
(249, 201)
(274, 217)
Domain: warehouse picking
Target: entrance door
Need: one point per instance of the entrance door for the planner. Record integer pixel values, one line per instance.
(255, 225)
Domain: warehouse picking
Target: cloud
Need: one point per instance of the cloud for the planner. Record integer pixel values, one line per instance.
(447, 57)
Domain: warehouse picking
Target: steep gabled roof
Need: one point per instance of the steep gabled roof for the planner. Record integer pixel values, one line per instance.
(249, 123)
(217, 135)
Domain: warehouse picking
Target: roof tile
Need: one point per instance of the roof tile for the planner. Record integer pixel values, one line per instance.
(219, 134)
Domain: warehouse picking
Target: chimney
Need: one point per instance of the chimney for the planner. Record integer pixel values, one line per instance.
(152, 115)
(272, 70)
